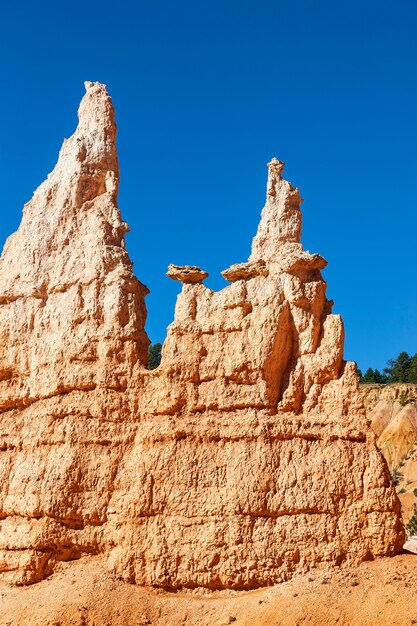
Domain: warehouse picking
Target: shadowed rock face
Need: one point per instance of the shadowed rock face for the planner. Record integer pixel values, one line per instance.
(245, 457)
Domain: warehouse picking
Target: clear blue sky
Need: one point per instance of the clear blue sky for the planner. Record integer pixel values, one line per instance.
(205, 94)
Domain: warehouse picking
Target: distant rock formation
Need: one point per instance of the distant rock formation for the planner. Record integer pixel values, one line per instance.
(243, 458)
(392, 410)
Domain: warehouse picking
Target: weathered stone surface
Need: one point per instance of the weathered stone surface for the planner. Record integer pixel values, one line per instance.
(392, 410)
(245, 457)
(396, 395)
(245, 271)
(189, 274)
(72, 335)
(411, 545)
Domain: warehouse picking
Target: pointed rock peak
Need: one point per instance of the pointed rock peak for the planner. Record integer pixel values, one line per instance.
(88, 164)
(69, 272)
(275, 169)
(94, 86)
(276, 164)
(96, 111)
(280, 219)
(76, 204)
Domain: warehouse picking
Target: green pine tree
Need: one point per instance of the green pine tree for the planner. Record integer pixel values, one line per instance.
(369, 376)
(398, 369)
(412, 372)
(379, 378)
(154, 356)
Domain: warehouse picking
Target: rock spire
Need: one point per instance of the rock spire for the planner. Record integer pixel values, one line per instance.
(72, 318)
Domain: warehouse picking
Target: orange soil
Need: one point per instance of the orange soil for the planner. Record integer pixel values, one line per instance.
(82, 594)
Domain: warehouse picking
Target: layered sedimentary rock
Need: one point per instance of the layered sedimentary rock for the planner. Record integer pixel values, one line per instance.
(245, 457)
(392, 410)
(72, 316)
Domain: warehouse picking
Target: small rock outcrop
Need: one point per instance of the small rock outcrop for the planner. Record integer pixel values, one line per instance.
(245, 271)
(188, 274)
(243, 458)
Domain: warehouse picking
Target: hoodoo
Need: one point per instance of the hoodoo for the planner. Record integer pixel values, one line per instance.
(244, 458)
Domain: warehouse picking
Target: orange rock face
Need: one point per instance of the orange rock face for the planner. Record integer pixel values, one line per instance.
(392, 410)
(245, 457)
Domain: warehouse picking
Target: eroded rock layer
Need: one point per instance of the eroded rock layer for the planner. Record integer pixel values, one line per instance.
(392, 411)
(245, 457)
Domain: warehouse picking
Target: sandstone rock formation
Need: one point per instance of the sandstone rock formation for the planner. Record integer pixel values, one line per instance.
(245, 457)
(72, 334)
(392, 410)
(190, 274)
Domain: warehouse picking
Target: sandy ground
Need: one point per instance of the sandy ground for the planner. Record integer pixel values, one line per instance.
(81, 593)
